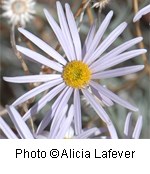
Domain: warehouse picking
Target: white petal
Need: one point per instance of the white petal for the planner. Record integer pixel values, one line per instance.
(43, 101)
(77, 108)
(87, 133)
(116, 51)
(65, 29)
(112, 131)
(58, 116)
(32, 78)
(66, 124)
(141, 12)
(74, 32)
(36, 91)
(69, 133)
(89, 39)
(101, 97)
(40, 59)
(58, 34)
(101, 112)
(128, 125)
(98, 36)
(50, 114)
(106, 100)
(113, 96)
(56, 123)
(6, 129)
(97, 107)
(119, 59)
(20, 125)
(138, 128)
(64, 100)
(44, 46)
(107, 42)
(117, 72)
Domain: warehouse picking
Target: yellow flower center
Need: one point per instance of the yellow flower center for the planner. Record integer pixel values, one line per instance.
(76, 74)
(19, 7)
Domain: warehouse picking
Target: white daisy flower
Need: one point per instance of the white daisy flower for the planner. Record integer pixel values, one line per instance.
(78, 72)
(56, 132)
(18, 11)
(128, 128)
(141, 12)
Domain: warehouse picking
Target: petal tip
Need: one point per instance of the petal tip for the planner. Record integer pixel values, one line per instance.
(45, 11)
(20, 29)
(111, 12)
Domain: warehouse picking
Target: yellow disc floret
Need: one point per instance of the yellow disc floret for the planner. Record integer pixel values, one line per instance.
(76, 74)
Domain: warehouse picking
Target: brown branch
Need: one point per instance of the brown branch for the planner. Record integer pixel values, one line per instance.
(138, 30)
(13, 43)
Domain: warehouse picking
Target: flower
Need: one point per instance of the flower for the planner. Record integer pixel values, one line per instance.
(78, 72)
(18, 11)
(141, 12)
(128, 129)
(56, 131)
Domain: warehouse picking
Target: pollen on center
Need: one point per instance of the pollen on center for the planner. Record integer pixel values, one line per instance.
(76, 74)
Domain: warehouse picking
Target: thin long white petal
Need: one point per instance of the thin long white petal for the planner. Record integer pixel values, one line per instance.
(119, 59)
(117, 72)
(44, 46)
(89, 39)
(6, 129)
(116, 51)
(56, 123)
(58, 34)
(43, 101)
(138, 128)
(98, 36)
(87, 133)
(65, 29)
(77, 108)
(64, 100)
(40, 59)
(97, 107)
(101, 97)
(67, 123)
(58, 116)
(112, 131)
(113, 96)
(36, 91)
(74, 32)
(50, 114)
(20, 125)
(128, 125)
(141, 12)
(107, 42)
(106, 100)
(32, 78)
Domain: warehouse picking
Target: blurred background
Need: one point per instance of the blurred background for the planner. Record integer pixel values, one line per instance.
(135, 88)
